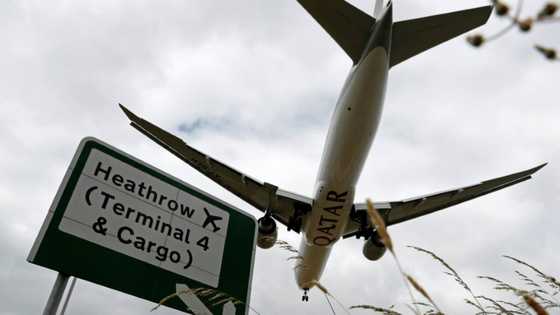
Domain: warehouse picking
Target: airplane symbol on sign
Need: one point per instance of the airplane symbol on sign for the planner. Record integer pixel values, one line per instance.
(210, 219)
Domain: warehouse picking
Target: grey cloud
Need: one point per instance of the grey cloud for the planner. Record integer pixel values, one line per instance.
(267, 72)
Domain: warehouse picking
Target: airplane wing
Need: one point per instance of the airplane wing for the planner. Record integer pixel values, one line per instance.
(394, 212)
(284, 206)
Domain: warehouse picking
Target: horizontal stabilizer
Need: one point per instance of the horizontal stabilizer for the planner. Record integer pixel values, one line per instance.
(347, 25)
(394, 212)
(412, 37)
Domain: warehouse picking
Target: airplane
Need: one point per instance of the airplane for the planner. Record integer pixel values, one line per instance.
(211, 219)
(375, 44)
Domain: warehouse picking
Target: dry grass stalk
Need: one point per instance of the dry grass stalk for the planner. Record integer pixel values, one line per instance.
(217, 296)
(422, 291)
(520, 309)
(170, 296)
(538, 293)
(323, 289)
(379, 224)
(535, 299)
(287, 246)
(543, 301)
(546, 303)
(424, 304)
(528, 281)
(381, 310)
(452, 272)
(204, 292)
(430, 309)
(551, 281)
(476, 305)
(534, 305)
(528, 296)
(224, 301)
(501, 285)
(496, 305)
(299, 262)
(414, 309)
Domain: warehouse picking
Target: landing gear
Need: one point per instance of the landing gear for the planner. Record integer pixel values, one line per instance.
(305, 297)
(296, 220)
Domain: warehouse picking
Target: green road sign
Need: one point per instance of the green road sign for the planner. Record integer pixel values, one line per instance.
(121, 223)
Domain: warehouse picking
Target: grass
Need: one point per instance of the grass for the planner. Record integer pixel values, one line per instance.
(537, 296)
(210, 298)
(213, 297)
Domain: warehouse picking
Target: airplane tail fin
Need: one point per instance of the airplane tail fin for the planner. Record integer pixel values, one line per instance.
(351, 28)
(412, 37)
(378, 10)
(348, 26)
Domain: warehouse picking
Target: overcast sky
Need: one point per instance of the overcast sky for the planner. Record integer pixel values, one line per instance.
(253, 83)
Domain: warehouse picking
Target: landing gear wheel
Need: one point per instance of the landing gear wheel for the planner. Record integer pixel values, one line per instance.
(305, 297)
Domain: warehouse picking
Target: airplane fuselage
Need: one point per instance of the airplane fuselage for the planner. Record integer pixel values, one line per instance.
(353, 127)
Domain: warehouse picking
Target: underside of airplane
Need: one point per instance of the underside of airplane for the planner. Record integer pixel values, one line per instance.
(289, 208)
(375, 44)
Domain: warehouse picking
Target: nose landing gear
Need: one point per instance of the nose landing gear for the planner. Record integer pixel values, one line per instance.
(305, 297)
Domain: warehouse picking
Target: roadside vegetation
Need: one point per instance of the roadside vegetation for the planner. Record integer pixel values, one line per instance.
(515, 17)
(538, 293)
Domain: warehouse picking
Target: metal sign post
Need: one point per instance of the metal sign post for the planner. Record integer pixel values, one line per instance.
(56, 294)
(68, 295)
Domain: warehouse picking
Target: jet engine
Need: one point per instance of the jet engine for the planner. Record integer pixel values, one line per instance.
(267, 233)
(374, 248)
